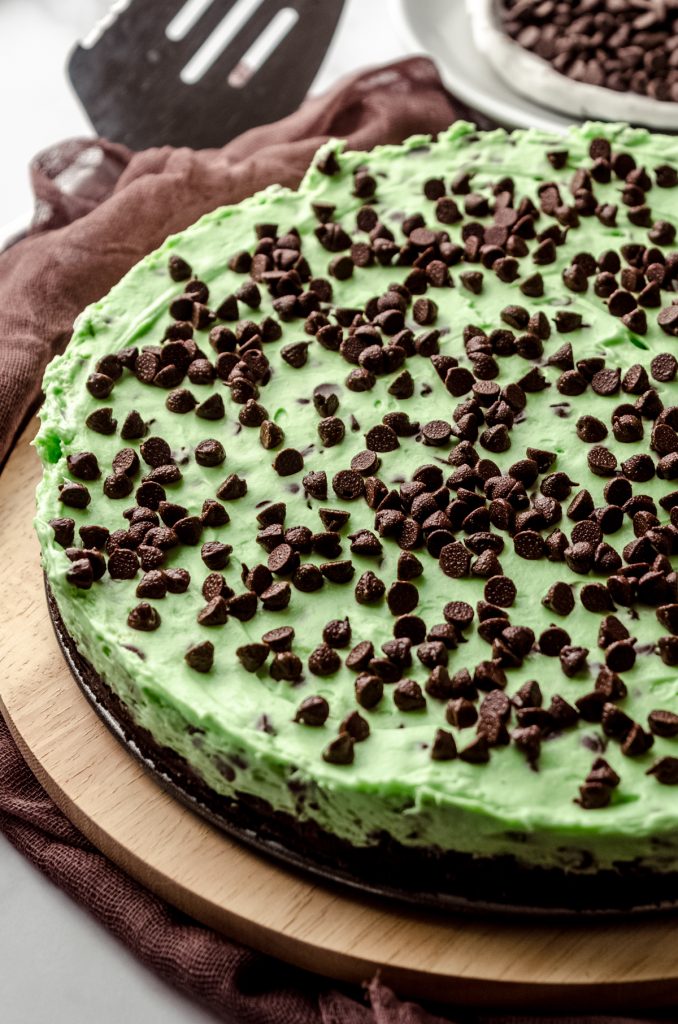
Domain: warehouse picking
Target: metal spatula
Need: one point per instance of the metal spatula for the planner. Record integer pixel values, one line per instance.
(198, 72)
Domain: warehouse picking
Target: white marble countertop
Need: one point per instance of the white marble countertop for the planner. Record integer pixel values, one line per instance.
(58, 964)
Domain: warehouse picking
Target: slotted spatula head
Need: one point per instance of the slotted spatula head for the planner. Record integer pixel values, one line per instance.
(142, 84)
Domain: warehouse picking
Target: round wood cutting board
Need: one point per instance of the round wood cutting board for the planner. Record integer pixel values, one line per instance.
(501, 963)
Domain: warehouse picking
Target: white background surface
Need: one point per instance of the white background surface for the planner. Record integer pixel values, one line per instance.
(56, 963)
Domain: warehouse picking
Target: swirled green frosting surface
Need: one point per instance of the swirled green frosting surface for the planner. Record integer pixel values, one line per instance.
(393, 784)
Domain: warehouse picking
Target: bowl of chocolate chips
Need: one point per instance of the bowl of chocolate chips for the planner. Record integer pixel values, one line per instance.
(613, 60)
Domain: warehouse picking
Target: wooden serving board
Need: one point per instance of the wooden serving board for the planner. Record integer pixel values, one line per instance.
(472, 961)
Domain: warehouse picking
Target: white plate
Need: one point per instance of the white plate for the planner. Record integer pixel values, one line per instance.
(441, 29)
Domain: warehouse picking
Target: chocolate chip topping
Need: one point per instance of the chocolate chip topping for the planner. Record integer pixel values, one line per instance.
(340, 750)
(312, 711)
(663, 723)
(64, 530)
(200, 657)
(144, 617)
(665, 771)
(324, 661)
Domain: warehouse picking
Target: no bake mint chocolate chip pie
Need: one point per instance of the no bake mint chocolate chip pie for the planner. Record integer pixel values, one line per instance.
(359, 513)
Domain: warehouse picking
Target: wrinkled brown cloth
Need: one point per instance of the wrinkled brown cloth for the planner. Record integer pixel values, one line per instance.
(99, 209)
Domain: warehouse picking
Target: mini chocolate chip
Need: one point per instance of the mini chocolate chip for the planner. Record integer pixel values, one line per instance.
(155, 451)
(188, 529)
(64, 530)
(595, 597)
(666, 176)
(665, 770)
(340, 750)
(459, 613)
(93, 536)
(74, 495)
(573, 659)
(215, 612)
(663, 723)
(455, 560)
(215, 555)
(348, 485)
(252, 656)
(553, 640)
(271, 435)
(337, 633)
(559, 599)
(126, 461)
(477, 751)
(408, 696)
(283, 560)
(312, 711)
(295, 354)
(369, 588)
(80, 573)
(639, 468)
(461, 713)
(620, 656)
(529, 544)
(637, 741)
(331, 430)
(356, 726)
(402, 598)
(213, 513)
(200, 657)
(601, 461)
(209, 453)
(279, 639)
(307, 578)
(211, 409)
(458, 381)
(381, 439)
(443, 747)
(83, 466)
(361, 655)
(179, 269)
(288, 461)
(436, 432)
(664, 367)
(101, 421)
(606, 381)
(152, 584)
(594, 795)
(366, 463)
(123, 564)
(232, 488)
(144, 617)
(338, 572)
(364, 542)
(500, 590)
(286, 666)
(668, 320)
(99, 385)
(150, 557)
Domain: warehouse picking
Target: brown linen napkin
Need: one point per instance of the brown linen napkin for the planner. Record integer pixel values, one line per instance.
(99, 209)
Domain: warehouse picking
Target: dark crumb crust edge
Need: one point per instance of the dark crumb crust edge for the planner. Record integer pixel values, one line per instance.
(454, 881)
